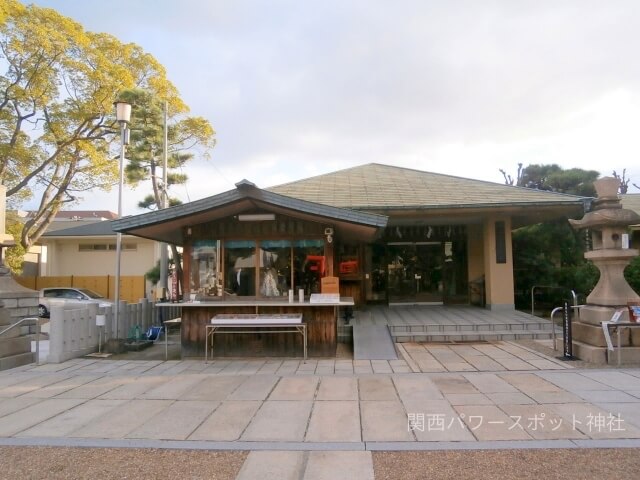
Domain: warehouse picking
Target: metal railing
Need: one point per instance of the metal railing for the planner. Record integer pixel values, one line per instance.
(551, 287)
(31, 321)
(575, 306)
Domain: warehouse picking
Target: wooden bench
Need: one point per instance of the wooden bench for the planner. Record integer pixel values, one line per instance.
(254, 323)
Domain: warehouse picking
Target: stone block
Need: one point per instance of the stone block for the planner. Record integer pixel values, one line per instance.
(590, 353)
(628, 356)
(593, 335)
(14, 346)
(16, 360)
(10, 302)
(28, 302)
(594, 315)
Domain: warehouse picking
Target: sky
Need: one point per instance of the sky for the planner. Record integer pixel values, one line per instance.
(296, 88)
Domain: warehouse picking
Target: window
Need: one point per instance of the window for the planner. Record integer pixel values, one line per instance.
(309, 265)
(250, 268)
(205, 268)
(275, 267)
(501, 244)
(103, 247)
(240, 267)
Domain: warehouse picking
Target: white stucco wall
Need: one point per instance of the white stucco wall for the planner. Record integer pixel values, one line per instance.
(65, 258)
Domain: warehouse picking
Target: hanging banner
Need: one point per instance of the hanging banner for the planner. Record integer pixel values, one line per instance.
(174, 286)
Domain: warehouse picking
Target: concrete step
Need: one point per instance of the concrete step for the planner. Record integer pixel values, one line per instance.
(467, 336)
(439, 328)
(14, 345)
(18, 360)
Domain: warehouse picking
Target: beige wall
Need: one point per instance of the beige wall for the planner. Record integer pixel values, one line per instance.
(64, 257)
(499, 284)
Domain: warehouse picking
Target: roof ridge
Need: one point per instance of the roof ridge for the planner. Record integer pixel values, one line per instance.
(422, 172)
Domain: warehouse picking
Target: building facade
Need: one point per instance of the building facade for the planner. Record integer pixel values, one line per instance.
(391, 235)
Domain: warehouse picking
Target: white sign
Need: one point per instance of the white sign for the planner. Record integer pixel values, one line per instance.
(625, 241)
(324, 298)
(615, 318)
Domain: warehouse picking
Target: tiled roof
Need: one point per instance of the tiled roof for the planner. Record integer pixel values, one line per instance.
(84, 215)
(376, 186)
(631, 201)
(88, 230)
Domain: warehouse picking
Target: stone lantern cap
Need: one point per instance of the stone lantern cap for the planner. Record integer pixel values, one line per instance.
(607, 209)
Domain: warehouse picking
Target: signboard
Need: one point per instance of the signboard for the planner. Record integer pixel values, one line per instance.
(566, 332)
(324, 298)
(174, 286)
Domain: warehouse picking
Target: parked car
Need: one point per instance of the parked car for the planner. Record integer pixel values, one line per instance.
(62, 295)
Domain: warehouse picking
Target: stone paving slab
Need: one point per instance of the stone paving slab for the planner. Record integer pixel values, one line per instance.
(287, 465)
(176, 422)
(334, 421)
(338, 388)
(279, 421)
(66, 423)
(134, 388)
(384, 421)
(339, 466)
(34, 414)
(120, 422)
(310, 411)
(488, 422)
(227, 422)
(295, 388)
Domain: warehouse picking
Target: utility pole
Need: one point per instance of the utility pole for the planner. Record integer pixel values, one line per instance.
(164, 284)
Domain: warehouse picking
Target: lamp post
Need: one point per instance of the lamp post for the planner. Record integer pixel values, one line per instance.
(123, 116)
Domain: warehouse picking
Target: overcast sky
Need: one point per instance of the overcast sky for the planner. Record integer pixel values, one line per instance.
(299, 88)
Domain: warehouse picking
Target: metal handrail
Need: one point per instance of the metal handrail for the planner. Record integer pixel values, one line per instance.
(553, 326)
(573, 294)
(20, 322)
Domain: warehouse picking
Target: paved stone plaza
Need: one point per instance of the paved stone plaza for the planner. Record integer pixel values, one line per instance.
(334, 408)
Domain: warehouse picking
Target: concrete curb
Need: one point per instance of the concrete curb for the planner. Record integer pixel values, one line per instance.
(319, 446)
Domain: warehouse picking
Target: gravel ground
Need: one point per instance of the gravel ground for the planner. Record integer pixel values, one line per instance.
(593, 464)
(31, 463)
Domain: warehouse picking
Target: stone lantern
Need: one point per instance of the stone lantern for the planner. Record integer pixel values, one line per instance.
(607, 222)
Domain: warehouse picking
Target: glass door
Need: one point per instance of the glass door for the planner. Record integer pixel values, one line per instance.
(415, 273)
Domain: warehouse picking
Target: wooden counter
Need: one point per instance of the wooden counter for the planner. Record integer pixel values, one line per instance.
(320, 318)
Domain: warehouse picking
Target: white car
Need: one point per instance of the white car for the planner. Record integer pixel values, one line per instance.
(63, 295)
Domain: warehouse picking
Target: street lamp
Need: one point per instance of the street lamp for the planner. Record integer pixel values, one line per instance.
(123, 116)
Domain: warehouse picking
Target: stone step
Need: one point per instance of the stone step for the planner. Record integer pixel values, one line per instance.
(18, 360)
(14, 345)
(467, 336)
(472, 328)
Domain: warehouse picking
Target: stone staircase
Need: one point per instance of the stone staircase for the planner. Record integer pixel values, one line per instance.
(15, 345)
(440, 332)
(16, 303)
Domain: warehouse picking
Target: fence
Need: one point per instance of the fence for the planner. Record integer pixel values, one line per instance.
(132, 287)
(74, 333)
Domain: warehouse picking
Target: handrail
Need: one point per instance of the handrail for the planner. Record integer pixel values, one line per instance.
(573, 294)
(553, 326)
(20, 322)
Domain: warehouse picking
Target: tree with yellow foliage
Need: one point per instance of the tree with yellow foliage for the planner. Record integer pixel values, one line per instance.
(58, 82)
